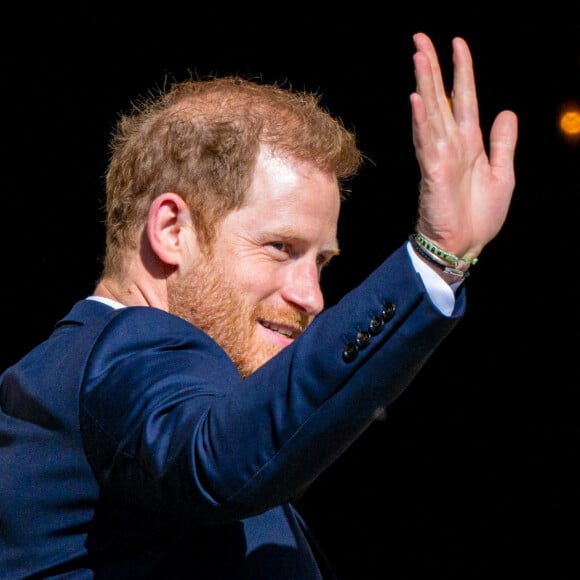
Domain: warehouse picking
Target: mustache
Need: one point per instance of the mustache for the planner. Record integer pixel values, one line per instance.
(283, 316)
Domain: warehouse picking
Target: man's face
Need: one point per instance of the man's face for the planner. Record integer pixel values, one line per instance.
(260, 288)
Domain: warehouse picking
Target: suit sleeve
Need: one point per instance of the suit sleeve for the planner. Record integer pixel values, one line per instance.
(168, 422)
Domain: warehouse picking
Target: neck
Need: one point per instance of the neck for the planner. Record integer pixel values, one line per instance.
(130, 293)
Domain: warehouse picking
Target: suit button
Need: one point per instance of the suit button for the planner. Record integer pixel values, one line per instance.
(376, 325)
(388, 311)
(363, 339)
(349, 352)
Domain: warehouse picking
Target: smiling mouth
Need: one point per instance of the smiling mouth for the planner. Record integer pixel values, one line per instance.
(283, 329)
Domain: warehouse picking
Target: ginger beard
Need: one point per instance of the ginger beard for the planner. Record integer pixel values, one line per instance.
(205, 298)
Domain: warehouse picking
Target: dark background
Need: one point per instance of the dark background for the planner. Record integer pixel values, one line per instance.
(474, 472)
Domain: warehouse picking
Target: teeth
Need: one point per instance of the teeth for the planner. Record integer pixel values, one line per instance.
(284, 331)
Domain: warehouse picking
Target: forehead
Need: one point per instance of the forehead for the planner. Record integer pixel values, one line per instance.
(293, 199)
(284, 182)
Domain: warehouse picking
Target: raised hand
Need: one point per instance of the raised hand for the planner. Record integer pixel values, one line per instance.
(464, 194)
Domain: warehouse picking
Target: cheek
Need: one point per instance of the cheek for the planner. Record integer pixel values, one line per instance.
(256, 282)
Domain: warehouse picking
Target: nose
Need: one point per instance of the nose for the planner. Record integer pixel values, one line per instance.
(302, 287)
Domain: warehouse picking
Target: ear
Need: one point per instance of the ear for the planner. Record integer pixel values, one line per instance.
(170, 229)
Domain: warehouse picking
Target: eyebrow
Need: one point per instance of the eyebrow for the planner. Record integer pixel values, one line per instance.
(333, 252)
(290, 235)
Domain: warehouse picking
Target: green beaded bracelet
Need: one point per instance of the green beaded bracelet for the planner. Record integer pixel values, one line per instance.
(442, 254)
(433, 259)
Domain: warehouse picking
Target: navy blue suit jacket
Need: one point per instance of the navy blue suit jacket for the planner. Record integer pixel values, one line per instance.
(131, 448)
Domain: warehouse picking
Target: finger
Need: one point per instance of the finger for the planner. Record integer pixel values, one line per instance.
(424, 45)
(421, 133)
(425, 139)
(430, 84)
(464, 95)
(502, 146)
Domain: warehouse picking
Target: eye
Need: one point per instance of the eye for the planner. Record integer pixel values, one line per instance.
(323, 260)
(280, 246)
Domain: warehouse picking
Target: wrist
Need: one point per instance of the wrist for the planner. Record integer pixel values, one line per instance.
(451, 267)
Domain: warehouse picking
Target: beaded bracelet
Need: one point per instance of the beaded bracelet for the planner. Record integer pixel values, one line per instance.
(436, 260)
(448, 259)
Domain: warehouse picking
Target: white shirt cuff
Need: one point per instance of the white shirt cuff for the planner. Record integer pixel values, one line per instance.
(441, 293)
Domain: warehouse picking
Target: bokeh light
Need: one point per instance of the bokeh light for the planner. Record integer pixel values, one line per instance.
(569, 121)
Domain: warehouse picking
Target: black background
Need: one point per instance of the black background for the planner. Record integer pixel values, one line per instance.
(474, 472)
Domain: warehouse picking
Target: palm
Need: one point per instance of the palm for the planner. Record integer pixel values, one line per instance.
(465, 194)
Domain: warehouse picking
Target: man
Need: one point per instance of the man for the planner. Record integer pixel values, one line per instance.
(164, 428)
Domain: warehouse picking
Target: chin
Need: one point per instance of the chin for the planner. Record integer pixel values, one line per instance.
(262, 354)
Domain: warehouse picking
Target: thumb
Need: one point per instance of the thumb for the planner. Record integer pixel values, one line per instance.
(502, 145)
